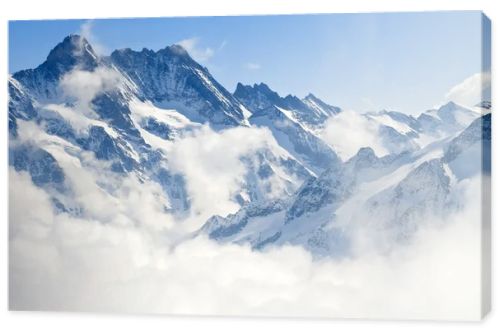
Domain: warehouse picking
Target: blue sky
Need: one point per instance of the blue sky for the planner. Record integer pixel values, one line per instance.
(400, 61)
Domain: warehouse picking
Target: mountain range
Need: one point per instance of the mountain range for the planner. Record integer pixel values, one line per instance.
(116, 114)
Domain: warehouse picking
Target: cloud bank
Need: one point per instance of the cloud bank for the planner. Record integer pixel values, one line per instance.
(471, 91)
(211, 163)
(118, 263)
(349, 131)
(124, 253)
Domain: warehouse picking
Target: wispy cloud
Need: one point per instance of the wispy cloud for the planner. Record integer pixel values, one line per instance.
(211, 163)
(361, 132)
(86, 31)
(195, 50)
(84, 86)
(252, 66)
(222, 45)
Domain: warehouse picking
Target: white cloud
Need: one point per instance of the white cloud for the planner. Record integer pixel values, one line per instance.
(252, 66)
(222, 45)
(85, 85)
(349, 131)
(199, 53)
(211, 163)
(470, 91)
(58, 262)
(86, 32)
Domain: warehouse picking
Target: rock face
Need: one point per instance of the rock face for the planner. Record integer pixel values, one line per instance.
(310, 112)
(294, 189)
(171, 78)
(161, 94)
(291, 122)
(73, 52)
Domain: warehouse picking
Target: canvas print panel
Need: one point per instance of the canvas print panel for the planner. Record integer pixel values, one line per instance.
(304, 165)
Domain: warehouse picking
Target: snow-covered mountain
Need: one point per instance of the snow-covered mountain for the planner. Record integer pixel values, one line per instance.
(390, 196)
(128, 110)
(43, 81)
(399, 132)
(310, 111)
(292, 122)
(171, 79)
(122, 117)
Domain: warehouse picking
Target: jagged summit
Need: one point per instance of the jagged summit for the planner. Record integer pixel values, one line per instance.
(310, 111)
(174, 49)
(262, 87)
(257, 97)
(171, 78)
(261, 96)
(320, 106)
(177, 49)
(171, 51)
(73, 51)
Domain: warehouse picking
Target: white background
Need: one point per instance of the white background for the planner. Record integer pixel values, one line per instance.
(25, 322)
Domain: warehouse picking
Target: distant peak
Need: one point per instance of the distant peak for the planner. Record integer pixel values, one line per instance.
(365, 155)
(262, 87)
(311, 96)
(239, 85)
(256, 88)
(450, 104)
(366, 151)
(293, 101)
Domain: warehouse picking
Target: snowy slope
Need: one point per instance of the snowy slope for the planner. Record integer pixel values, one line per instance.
(389, 198)
(302, 144)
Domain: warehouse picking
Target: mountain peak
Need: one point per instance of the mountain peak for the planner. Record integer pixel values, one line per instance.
(365, 157)
(449, 106)
(320, 106)
(366, 151)
(178, 49)
(172, 52)
(311, 96)
(262, 88)
(72, 46)
(73, 50)
(257, 97)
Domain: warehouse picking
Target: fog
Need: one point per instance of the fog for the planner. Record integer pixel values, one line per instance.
(120, 262)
